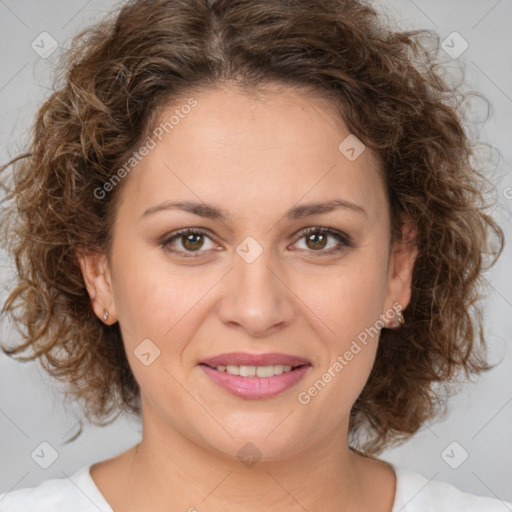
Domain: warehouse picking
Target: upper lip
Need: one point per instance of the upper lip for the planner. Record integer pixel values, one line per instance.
(246, 359)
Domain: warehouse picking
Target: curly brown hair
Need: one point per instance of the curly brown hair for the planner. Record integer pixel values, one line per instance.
(388, 86)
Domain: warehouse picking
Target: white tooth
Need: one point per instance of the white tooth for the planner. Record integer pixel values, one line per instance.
(255, 371)
(278, 369)
(265, 371)
(232, 369)
(247, 371)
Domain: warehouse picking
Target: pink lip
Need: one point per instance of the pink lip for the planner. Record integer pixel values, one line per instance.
(256, 387)
(246, 359)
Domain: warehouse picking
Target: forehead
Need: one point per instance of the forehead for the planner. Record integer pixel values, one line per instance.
(250, 150)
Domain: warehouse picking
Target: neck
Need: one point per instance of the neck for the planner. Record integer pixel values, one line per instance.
(168, 468)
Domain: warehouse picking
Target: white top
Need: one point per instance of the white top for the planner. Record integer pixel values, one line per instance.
(78, 493)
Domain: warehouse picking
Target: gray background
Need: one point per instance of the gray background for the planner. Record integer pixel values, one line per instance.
(479, 421)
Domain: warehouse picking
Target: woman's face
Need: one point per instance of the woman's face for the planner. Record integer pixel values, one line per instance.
(253, 281)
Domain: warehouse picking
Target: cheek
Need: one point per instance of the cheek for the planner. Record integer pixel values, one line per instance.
(156, 311)
(351, 297)
(350, 316)
(158, 300)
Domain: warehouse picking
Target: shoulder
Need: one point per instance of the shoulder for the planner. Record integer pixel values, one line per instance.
(76, 493)
(415, 493)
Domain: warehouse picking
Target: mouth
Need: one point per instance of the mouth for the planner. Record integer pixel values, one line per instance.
(253, 376)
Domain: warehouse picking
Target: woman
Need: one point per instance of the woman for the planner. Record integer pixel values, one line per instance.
(256, 224)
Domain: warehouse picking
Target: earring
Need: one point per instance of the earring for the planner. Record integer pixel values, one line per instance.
(105, 315)
(400, 320)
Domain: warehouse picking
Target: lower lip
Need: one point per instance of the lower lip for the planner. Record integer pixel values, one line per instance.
(256, 387)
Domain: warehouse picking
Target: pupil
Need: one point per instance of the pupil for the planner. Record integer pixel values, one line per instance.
(322, 238)
(189, 239)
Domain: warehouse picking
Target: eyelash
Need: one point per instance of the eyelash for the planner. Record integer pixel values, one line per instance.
(344, 240)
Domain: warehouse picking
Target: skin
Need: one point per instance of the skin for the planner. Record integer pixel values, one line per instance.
(255, 156)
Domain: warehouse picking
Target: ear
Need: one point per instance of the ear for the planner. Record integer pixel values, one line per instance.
(401, 265)
(97, 278)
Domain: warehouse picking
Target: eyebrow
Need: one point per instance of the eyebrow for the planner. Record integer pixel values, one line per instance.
(215, 213)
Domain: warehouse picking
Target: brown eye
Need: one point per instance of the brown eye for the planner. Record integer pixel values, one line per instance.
(192, 241)
(318, 238)
(188, 241)
(316, 241)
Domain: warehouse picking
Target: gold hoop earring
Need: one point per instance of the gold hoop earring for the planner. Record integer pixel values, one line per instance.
(105, 315)
(400, 318)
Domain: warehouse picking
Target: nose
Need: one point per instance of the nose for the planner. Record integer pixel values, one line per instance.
(256, 298)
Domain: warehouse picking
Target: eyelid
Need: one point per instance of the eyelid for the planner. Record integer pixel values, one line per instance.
(327, 230)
